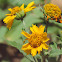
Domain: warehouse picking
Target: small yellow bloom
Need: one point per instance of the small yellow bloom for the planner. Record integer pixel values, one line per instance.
(36, 40)
(17, 12)
(53, 11)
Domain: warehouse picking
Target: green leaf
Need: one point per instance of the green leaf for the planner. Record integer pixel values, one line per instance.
(3, 31)
(38, 13)
(56, 23)
(15, 32)
(2, 13)
(52, 29)
(32, 19)
(26, 2)
(25, 60)
(54, 37)
(54, 46)
(38, 56)
(55, 51)
(18, 43)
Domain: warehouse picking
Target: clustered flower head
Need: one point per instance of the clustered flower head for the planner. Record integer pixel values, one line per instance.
(17, 12)
(52, 11)
(36, 40)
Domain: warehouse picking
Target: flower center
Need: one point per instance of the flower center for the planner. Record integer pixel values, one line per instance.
(35, 40)
(52, 10)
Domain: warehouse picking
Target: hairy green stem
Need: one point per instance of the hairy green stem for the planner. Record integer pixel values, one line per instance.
(35, 59)
(46, 25)
(42, 56)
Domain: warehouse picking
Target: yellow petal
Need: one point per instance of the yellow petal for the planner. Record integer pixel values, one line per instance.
(29, 9)
(34, 29)
(8, 14)
(16, 8)
(10, 9)
(9, 20)
(30, 4)
(27, 51)
(26, 46)
(10, 24)
(41, 28)
(25, 34)
(39, 49)
(44, 35)
(6, 20)
(22, 7)
(45, 46)
(45, 40)
(33, 51)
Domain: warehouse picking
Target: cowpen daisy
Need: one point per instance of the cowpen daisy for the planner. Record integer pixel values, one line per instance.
(17, 12)
(36, 40)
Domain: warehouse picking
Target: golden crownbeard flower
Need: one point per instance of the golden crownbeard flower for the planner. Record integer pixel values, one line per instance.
(17, 12)
(52, 11)
(36, 40)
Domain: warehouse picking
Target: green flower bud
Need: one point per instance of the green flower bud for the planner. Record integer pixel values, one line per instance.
(20, 15)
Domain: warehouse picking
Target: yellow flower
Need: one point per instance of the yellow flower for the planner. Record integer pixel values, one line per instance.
(36, 40)
(17, 12)
(52, 10)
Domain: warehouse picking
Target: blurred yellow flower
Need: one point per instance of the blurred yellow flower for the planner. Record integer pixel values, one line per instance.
(53, 11)
(17, 12)
(36, 40)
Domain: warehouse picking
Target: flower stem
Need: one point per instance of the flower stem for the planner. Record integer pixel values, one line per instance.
(35, 59)
(29, 58)
(25, 26)
(46, 25)
(41, 59)
(46, 22)
(42, 56)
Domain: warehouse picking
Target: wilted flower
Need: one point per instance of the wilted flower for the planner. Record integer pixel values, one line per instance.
(36, 40)
(17, 12)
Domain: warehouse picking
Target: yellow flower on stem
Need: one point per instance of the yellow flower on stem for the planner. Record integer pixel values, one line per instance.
(53, 11)
(18, 13)
(36, 40)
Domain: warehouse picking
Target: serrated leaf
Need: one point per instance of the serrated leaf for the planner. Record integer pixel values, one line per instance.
(55, 51)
